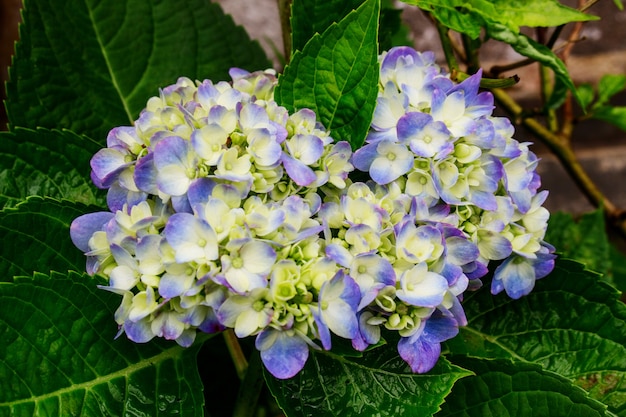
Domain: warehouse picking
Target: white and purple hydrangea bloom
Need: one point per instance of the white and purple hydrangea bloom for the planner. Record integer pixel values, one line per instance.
(227, 212)
(465, 159)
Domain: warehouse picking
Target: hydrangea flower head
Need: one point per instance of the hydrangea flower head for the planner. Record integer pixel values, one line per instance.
(227, 212)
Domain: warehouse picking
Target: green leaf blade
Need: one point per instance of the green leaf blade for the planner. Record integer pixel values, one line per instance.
(39, 234)
(64, 334)
(466, 16)
(90, 66)
(336, 75)
(503, 388)
(584, 240)
(379, 383)
(609, 85)
(534, 13)
(616, 115)
(309, 17)
(571, 324)
(47, 163)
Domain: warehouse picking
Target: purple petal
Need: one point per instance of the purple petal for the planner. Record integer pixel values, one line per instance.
(439, 329)
(118, 196)
(400, 53)
(171, 286)
(139, 331)
(422, 351)
(461, 251)
(412, 123)
(145, 174)
(515, 275)
(339, 254)
(83, 228)
(362, 159)
(172, 150)
(191, 238)
(199, 191)
(282, 354)
(211, 324)
(107, 164)
(420, 355)
(300, 173)
(368, 334)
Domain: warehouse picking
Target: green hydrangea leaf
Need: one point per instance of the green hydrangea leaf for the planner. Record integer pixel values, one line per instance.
(505, 388)
(36, 237)
(47, 163)
(59, 356)
(91, 65)
(336, 75)
(617, 273)
(616, 115)
(309, 17)
(467, 16)
(584, 239)
(609, 85)
(572, 324)
(378, 383)
(586, 94)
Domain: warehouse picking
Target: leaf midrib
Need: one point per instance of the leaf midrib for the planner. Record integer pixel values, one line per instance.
(92, 20)
(171, 353)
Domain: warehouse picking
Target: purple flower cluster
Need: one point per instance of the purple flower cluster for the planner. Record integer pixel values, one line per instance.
(439, 143)
(228, 212)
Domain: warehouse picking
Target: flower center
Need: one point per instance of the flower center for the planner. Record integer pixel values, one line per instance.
(237, 262)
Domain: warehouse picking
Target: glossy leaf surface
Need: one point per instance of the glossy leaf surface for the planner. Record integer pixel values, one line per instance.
(572, 324)
(336, 75)
(61, 330)
(505, 389)
(36, 237)
(91, 65)
(309, 17)
(378, 383)
(47, 163)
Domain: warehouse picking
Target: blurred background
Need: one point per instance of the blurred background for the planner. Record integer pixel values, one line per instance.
(600, 147)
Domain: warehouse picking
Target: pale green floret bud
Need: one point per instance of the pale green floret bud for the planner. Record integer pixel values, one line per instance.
(466, 154)
(386, 299)
(402, 323)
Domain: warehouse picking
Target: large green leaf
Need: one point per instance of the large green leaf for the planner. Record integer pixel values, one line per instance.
(59, 356)
(46, 163)
(379, 383)
(35, 236)
(309, 17)
(584, 239)
(504, 388)
(571, 324)
(336, 75)
(466, 16)
(90, 65)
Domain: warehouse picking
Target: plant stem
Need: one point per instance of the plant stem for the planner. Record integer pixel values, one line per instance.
(284, 10)
(250, 388)
(234, 348)
(447, 47)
